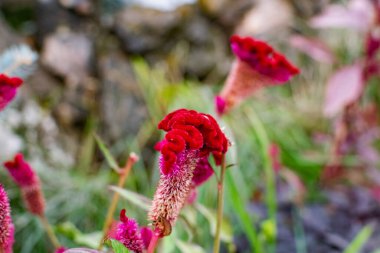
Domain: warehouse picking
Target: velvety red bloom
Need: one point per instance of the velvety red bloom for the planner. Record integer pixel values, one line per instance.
(8, 89)
(6, 225)
(257, 65)
(191, 137)
(190, 130)
(128, 233)
(23, 174)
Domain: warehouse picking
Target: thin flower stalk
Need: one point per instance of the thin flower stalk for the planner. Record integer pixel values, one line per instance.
(132, 159)
(219, 218)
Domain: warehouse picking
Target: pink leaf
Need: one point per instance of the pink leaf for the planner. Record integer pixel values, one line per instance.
(343, 88)
(314, 48)
(359, 15)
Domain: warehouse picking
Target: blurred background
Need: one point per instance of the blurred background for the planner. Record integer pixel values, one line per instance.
(307, 151)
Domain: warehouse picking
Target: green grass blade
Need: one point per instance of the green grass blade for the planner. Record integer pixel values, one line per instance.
(107, 154)
(360, 239)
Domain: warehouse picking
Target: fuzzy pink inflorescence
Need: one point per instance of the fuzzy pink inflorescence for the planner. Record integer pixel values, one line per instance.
(257, 65)
(6, 225)
(191, 137)
(129, 234)
(8, 89)
(23, 175)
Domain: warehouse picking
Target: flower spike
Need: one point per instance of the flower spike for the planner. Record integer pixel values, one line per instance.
(257, 65)
(191, 137)
(6, 225)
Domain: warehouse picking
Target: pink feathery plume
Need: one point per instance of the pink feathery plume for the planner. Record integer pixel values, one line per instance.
(6, 224)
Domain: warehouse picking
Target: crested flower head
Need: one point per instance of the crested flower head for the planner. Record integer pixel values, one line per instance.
(8, 89)
(188, 130)
(6, 225)
(191, 137)
(257, 65)
(128, 233)
(23, 174)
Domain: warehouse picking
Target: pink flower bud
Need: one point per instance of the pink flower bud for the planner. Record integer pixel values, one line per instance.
(23, 175)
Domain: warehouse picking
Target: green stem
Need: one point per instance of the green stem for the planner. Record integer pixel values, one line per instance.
(270, 179)
(220, 206)
(50, 232)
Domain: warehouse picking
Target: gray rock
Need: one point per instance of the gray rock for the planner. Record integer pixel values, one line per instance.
(142, 30)
(68, 54)
(121, 104)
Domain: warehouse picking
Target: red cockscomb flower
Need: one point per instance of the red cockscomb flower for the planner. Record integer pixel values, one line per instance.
(191, 137)
(8, 89)
(257, 65)
(6, 225)
(130, 235)
(23, 175)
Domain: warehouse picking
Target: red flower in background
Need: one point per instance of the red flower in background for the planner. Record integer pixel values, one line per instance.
(191, 137)
(257, 65)
(8, 89)
(6, 225)
(23, 175)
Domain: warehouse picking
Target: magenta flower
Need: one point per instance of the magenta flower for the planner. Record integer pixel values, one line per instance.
(191, 137)
(6, 225)
(8, 89)
(202, 172)
(128, 233)
(60, 250)
(29, 183)
(257, 65)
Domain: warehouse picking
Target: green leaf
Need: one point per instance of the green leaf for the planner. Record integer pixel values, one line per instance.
(107, 154)
(360, 239)
(118, 247)
(210, 215)
(72, 232)
(186, 247)
(133, 197)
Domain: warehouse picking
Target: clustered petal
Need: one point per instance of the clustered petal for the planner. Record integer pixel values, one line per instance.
(6, 225)
(257, 65)
(8, 89)
(190, 130)
(129, 234)
(23, 175)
